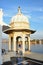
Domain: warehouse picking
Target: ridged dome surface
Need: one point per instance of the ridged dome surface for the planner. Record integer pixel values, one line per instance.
(19, 20)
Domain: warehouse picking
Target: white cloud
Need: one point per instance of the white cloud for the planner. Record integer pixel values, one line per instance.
(28, 16)
(4, 35)
(37, 35)
(32, 9)
(36, 9)
(37, 19)
(7, 15)
(40, 17)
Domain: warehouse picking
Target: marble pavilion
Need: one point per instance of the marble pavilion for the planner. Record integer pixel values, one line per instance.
(19, 33)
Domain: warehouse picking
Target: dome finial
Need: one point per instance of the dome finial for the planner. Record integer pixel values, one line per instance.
(19, 10)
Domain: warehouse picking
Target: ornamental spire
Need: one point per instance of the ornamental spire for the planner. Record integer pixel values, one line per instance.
(19, 10)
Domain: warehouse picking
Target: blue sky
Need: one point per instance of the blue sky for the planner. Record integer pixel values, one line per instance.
(33, 9)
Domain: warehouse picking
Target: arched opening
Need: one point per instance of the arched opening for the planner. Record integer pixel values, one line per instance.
(26, 44)
(19, 44)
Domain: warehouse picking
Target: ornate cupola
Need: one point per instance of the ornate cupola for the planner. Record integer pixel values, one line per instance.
(19, 21)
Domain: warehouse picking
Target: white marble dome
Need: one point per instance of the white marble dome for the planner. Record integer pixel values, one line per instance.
(19, 20)
(19, 17)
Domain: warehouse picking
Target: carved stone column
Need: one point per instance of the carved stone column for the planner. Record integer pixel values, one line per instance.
(29, 41)
(14, 43)
(23, 44)
(9, 43)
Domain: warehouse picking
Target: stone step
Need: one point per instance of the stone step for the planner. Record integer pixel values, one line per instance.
(8, 55)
